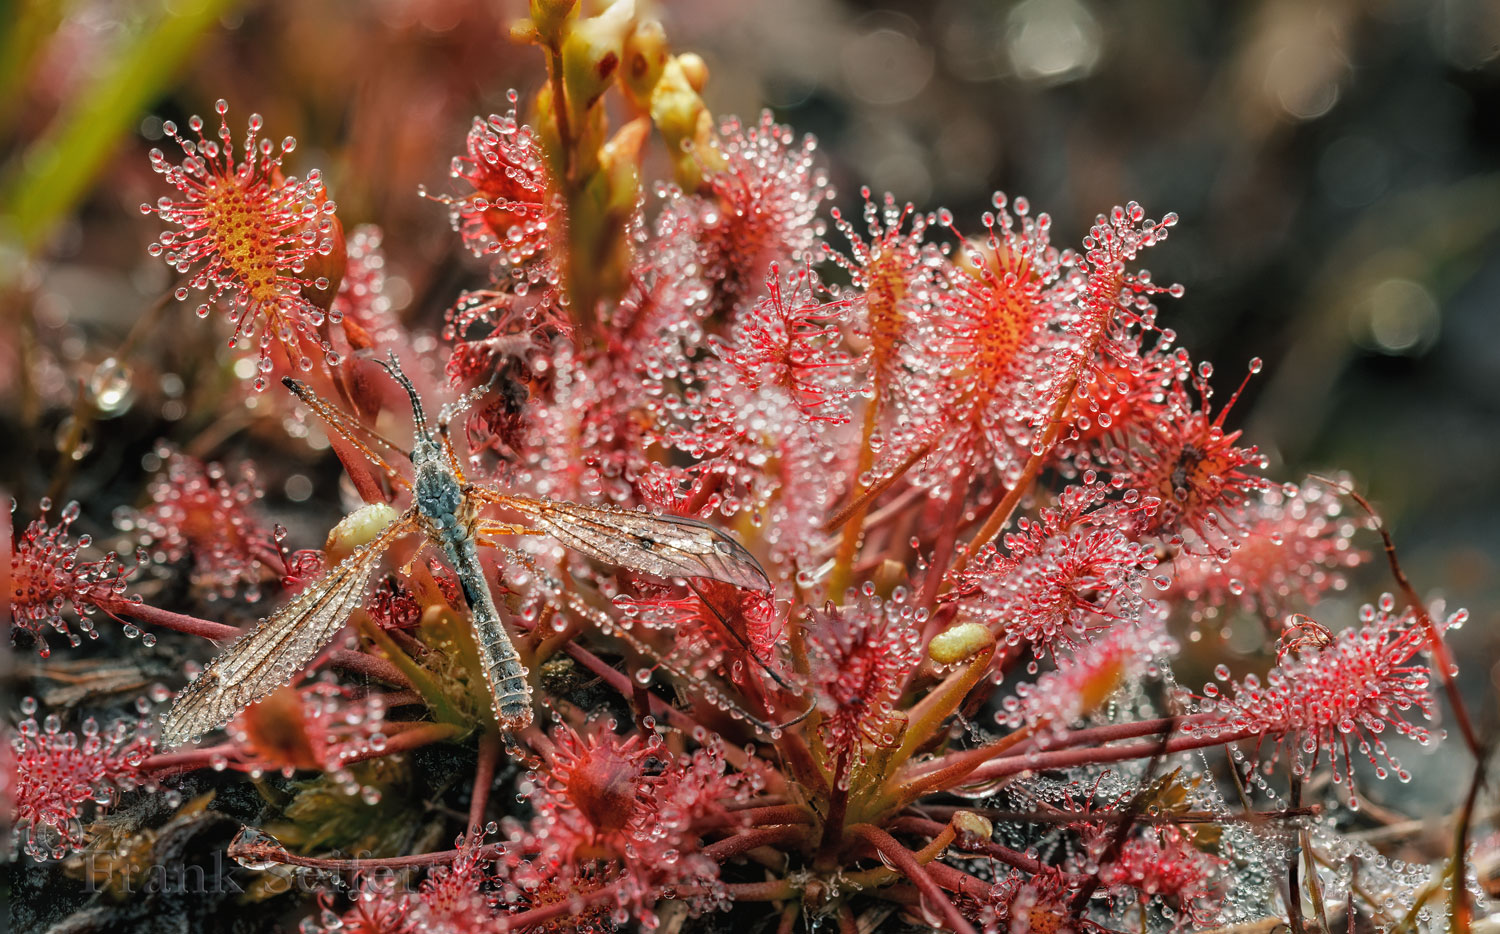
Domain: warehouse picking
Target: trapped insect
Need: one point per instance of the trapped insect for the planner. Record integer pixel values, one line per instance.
(446, 509)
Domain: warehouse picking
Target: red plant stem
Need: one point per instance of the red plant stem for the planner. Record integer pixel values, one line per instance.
(905, 863)
(878, 487)
(573, 905)
(1460, 905)
(848, 546)
(269, 556)
(833, 823)
(762, 801)
(560, 111)
(707, 487)
(1094, 736)
(186, 760)
(729, 847)
(942, 552)
(956, 880)
(407, 735)
(394, 699)
(1007, 506)
(409, 739)
(772, 890)
(368, 665)
(166, 619)
(1006, 855)
(438, 858)
(1115, 731)
(757, 817)
(897, 506)
(930, 811)
(621, 682)
(484, 778)
(357, 469)
(953, 768)
(1067, 758)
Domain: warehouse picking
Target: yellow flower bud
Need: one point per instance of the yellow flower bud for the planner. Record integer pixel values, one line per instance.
(646, 55)
(550, 18)
(695, 69)
(591, 55)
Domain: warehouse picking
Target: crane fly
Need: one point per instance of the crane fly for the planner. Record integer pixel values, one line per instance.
(445, 509)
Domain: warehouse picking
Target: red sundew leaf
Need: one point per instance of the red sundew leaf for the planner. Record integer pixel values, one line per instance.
(248, 233)
(1060, 577)
(860, 656)
(1294, 547)
(207, 512)
(52, 588)
(511, 211)
(768, 195)
(1160, 863)
(624, 808)
(995, 337)
(1191, 476)
(893, 275)
(1351, 690)
(790, 340)
(58, 774)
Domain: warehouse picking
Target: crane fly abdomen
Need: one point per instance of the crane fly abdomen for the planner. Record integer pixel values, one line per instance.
(510, 691)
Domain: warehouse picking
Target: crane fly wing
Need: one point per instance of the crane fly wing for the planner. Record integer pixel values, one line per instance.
(666, 546)
(267, 656)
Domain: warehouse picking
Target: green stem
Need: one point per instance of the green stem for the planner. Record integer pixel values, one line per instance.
(432, 693)
(928, 715)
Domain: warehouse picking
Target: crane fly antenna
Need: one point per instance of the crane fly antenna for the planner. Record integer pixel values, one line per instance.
(392, 365)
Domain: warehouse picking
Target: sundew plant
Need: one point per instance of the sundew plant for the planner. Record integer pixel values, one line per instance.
(720, 561)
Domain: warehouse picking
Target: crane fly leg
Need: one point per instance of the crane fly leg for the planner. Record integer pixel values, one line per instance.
(349, 429)
(486, 530)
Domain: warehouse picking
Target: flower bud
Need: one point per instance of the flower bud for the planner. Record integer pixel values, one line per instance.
(695, 69)
(646, 55)
(685, 123)
(591, 56)
(550, 19)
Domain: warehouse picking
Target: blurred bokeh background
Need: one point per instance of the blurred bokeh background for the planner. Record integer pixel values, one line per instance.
(1335, 163)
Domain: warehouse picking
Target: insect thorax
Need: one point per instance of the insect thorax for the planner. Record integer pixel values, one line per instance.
(439, 498)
